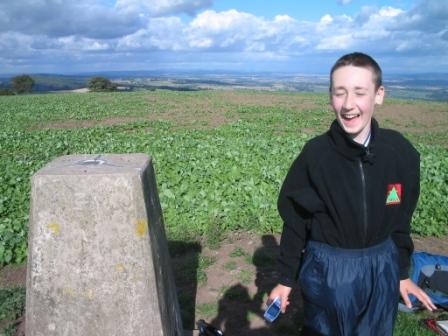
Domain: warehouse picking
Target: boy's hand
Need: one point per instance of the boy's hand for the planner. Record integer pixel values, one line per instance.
(407, 287)
(283, 293)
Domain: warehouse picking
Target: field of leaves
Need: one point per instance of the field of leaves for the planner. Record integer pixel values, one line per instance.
(219, 156)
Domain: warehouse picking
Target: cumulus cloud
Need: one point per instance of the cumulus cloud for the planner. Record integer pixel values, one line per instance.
(86, 18)
(429, 16)
(63, 18)
(233, 30)
(159, 34)
(140, 30)
(226, 30)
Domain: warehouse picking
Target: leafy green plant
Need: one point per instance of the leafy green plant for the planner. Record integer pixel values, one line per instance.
(431, 215)
(12, 306)
(211, 181)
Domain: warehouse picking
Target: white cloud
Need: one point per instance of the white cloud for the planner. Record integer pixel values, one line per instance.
(80, 44)
(164, 33)
(88, 18)
(214, 22)
(389, 12)
(336, 42)
(430, 16)
(233, 30)
(64, 18)
(141, 29)
(201, 43)
(326, 20)
(344, 2)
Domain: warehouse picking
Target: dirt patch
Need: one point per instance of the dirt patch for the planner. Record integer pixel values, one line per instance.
(415, 117)
(228, 286)
(267, 99)
(13, 276)
(239, 281)
(209, 110)
(431, 244)
(212, 109)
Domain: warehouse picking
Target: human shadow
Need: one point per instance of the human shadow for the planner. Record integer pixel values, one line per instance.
(185, 263)
(236, 308)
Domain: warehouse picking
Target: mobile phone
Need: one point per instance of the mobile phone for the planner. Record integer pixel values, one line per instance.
(273, 310)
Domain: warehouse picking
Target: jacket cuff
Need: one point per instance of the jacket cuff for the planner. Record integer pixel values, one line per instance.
(404, 273)
(287, 281)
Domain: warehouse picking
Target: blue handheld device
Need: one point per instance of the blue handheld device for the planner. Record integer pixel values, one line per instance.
(273, 310)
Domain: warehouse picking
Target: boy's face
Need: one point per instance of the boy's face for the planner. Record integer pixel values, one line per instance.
(353, 98)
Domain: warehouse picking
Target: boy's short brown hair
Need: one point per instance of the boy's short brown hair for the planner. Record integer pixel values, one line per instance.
(362, 60)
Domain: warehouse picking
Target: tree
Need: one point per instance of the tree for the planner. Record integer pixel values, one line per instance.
(101, 84)
(22, 84)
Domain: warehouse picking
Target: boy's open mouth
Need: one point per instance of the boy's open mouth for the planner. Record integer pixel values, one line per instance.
(350, 116)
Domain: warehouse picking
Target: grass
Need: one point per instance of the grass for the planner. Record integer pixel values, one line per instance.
(246, 277)
(207, 310)
(238, 252)
(411, 324)
(204, 263)
(230, 266)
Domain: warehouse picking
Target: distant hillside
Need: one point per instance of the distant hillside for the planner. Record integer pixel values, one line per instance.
(429, 86)
(45, 83)
(55, 83)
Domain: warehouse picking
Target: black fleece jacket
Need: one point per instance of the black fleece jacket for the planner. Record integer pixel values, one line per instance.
(346, 195)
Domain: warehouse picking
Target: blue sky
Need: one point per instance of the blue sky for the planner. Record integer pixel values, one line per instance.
(61, 36)
(304, 10)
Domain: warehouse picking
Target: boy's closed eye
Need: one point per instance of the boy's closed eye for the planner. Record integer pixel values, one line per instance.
(338, 93)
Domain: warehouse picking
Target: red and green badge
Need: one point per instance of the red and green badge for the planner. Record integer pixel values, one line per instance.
(393, 194)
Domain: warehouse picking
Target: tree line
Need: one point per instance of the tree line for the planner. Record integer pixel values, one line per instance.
(23, 84)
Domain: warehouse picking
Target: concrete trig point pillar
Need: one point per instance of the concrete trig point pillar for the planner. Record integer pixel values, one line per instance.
(98, 261)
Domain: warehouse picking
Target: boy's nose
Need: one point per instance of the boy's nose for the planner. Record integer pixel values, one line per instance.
(348, 102)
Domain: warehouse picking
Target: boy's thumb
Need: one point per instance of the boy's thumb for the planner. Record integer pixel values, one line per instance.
(407, 302)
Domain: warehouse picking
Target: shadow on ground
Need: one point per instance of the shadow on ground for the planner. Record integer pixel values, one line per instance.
(185, 261)
(240, 307)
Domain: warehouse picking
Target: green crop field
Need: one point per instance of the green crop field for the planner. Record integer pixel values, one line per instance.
(219, 156)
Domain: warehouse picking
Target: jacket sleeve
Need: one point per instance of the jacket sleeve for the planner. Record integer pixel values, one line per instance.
(410, 194)
(296, 203)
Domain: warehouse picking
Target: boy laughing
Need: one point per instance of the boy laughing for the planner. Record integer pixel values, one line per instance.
(347, 202)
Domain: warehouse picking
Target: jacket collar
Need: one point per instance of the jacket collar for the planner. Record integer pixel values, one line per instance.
(351, 149)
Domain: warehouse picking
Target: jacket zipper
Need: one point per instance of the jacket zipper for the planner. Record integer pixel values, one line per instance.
(364, 200)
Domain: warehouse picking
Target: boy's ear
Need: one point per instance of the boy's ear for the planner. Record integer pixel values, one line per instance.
(379, 96)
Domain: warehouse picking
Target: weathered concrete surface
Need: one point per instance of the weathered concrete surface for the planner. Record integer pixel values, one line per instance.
(98, 261)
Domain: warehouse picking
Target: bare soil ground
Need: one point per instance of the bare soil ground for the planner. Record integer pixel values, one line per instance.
(213, 111)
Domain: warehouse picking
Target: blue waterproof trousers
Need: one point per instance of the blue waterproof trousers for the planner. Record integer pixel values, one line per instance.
(349, 292)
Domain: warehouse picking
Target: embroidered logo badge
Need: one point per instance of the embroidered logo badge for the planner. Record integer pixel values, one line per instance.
(393, 194)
